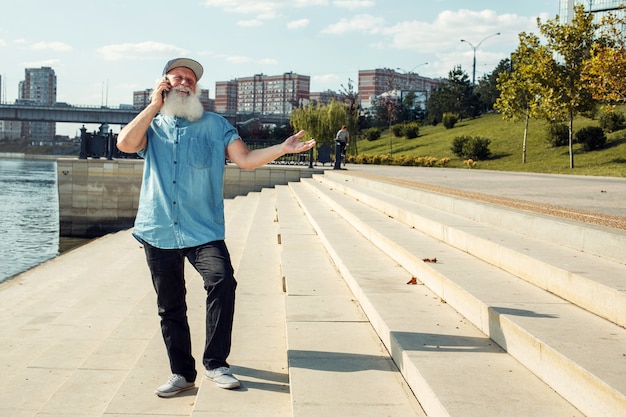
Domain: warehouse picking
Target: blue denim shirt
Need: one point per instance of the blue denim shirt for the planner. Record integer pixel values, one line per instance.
(181, 203)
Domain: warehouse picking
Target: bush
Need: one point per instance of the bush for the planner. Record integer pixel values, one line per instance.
(558, 134)
(405, 160)
(592, 138)
(372, 133)
(471, 147)
(457, 145)
(612, 121)
(411, 130)
(397, 130)
(449, 120)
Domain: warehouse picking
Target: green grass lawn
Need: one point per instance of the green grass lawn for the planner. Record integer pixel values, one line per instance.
(506, 147)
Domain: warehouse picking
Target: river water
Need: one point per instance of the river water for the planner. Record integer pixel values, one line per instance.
(29, 215)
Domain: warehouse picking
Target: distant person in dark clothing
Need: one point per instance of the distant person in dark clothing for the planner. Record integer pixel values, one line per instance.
(342, 139)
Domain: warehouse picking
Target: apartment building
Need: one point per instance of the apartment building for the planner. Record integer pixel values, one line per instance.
(40, 88)
(10, 129)
(599, 8)
(142, 98)
(262, 94)
(324, 97)
(226, 97)
(373, 83)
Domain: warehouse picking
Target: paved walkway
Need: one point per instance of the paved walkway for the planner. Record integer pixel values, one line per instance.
(60, 302)
(598, 194)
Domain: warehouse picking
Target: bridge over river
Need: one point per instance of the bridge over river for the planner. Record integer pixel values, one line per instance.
(66, 113)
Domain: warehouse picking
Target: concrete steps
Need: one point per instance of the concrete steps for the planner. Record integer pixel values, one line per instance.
(480, 274)
(337, 364)
(506, 323)
(259, 354)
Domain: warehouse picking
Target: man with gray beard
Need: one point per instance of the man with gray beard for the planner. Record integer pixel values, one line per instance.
(181, 214)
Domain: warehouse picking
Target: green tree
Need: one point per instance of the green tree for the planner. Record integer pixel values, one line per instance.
(350, 99)
(455, 95)
(605, 71)
(321, 121)
(388, 110)
(409, 111)
(520, 87)
(487, 88)
(564, 91)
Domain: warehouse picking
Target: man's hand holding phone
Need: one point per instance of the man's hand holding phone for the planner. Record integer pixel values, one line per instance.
(166, 88)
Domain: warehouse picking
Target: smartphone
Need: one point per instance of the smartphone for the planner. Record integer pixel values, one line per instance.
(164, 92)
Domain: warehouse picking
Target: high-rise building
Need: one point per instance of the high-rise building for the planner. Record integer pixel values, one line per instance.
(207, 103)
(373, 83)
(599, 8)
(226, 97)
(262, 94)
(39, 88)
(142, 98)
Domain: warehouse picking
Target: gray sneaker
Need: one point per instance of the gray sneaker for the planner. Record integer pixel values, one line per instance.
(174, 385)
(222, 377)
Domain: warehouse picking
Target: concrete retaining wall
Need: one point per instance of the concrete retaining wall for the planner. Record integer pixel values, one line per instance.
(99, 196)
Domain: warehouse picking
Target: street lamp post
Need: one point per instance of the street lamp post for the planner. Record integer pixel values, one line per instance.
(413, 69)
(475, 48)
(408, 73)
(409, 82)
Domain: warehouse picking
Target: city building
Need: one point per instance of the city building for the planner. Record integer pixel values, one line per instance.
(262, 94)
(10, 130)
(141, 99)
(40, 88)
(226, 97)
(324, 97)
(376, 82)
(599, 8)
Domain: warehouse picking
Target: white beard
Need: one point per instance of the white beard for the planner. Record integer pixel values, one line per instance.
(180, 105)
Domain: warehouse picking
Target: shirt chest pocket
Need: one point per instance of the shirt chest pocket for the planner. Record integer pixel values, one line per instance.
(197, 152)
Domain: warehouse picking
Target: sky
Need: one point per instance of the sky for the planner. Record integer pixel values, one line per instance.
(102, 51)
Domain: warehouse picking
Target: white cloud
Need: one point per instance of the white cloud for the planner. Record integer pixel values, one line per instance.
(241, 59)
(447, 30)
(43, 63)
(268, 61)
(325, 78)
(444, 32)
(354, 4)
(298, 24)
(360, 23)
(52, 46)
(129, 51)
(262, 9)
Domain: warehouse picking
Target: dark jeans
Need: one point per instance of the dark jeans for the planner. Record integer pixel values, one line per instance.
(340, 152)
(212, 261)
